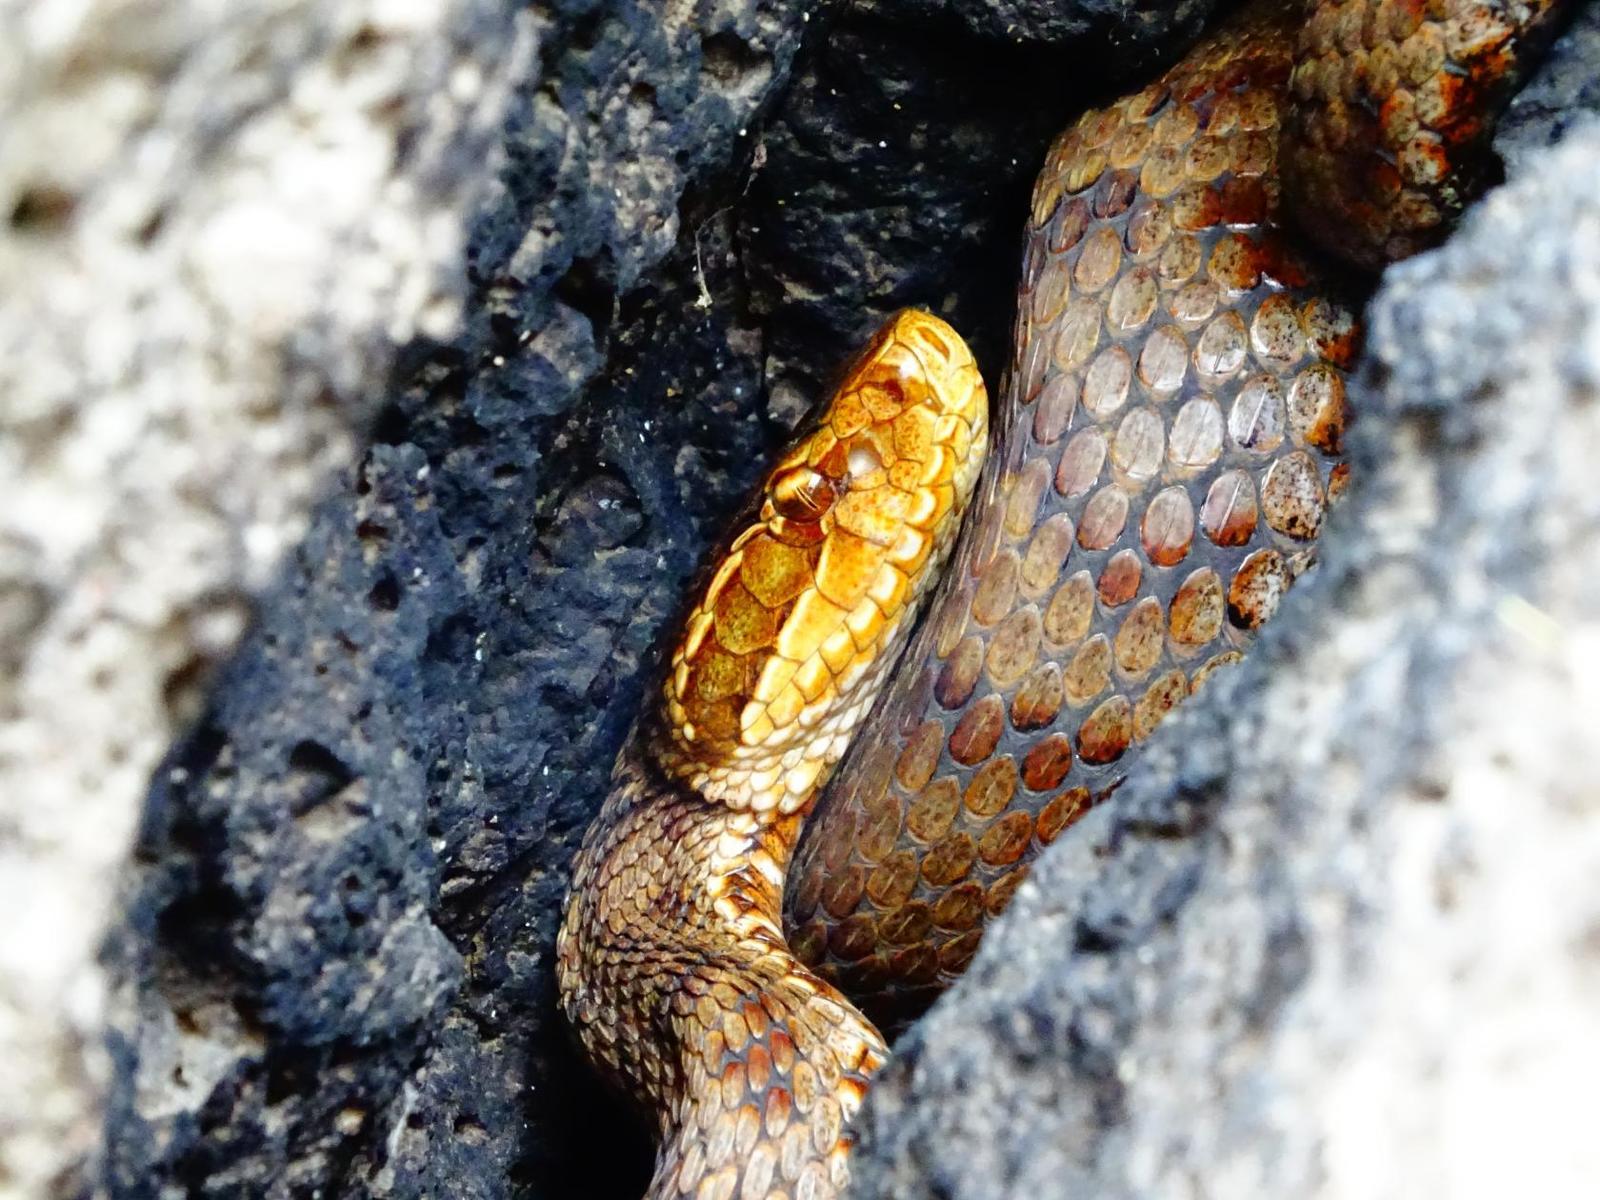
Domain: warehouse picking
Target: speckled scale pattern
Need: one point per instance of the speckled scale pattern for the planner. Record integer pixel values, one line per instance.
(1394, 105)
(1171, 433)
(808, 595)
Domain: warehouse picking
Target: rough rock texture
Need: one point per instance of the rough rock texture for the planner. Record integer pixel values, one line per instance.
(335, 965)
(894, 169)
(335, 950)
(1566, 91)
(1136, 27)
(215, 223)
(1340, 936)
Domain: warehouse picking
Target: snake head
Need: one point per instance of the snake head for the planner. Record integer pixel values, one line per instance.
(814, 592)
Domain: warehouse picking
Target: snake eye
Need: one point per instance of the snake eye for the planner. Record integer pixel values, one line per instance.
(802, 494)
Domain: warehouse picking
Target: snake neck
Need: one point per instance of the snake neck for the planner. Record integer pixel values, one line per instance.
(674, 972)
(782, 775)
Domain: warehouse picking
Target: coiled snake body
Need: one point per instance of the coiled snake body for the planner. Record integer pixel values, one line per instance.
(1166, 445)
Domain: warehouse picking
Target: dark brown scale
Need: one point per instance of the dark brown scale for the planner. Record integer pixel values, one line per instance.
(1168, 433)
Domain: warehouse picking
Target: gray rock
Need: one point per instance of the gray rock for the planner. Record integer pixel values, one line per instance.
(1336, 936)
(1564, 92)
(348, 871)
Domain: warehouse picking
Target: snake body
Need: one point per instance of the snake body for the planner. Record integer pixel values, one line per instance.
(1165, 448)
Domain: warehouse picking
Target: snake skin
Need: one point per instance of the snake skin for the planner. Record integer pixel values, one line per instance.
(1167, 444)
(1168, 441)
(1170, 432)
(1393, 108)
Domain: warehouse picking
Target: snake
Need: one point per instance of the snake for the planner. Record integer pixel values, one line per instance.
(937, 635)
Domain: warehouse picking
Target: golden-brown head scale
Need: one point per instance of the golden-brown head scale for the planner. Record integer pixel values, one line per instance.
(813, 595)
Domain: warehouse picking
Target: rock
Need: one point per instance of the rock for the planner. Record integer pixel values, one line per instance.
(1139, 29)
(894, 169)
(215, 223)
(335, 964)
(349, 870)
(1336, 935)
(1565, 91)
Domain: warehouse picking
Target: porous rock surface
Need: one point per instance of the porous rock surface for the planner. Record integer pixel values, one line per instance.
(333, 967)
(1339, 934)
(1564, 92)
(1137, 28)
(216, 221)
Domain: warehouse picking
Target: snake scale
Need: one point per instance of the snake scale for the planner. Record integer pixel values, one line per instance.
(1165, 448)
